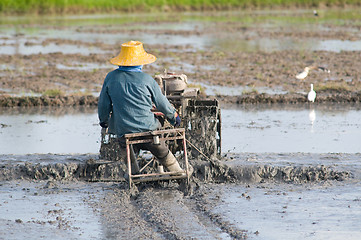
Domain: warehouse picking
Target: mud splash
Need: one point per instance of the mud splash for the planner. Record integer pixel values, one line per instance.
(90, 169)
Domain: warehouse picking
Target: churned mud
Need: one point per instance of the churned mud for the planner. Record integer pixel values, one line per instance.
(71, 196)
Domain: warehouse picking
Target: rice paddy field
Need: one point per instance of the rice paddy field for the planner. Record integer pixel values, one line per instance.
(289, 168)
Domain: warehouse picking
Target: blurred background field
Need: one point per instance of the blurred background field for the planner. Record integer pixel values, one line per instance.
(92, 6)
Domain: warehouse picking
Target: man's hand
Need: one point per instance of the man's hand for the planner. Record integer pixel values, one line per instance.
(178, 120)
(103, 125)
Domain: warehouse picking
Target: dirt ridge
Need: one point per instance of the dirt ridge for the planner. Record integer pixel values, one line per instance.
(261, 98)
(216, 172)
(30, 101)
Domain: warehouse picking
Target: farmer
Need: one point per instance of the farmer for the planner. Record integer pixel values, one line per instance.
(126, 100)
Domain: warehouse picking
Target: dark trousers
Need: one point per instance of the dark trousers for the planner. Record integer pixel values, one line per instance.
(160, 150)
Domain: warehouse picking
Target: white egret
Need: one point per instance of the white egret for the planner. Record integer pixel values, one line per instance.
(303, 74)
(311, 95)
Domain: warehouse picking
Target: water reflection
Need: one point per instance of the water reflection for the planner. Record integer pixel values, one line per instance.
(196, 42)
(312, 117)
(49, 130)
(251, 128)
(15, 40)
(286, 128)
(282, 44)
(46, 111)
(83, 66)
(22, 48)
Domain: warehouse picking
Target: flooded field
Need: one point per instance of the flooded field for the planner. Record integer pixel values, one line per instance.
(307, 212)
(61, 212)
(256, 51)
(287, 171)
(49, 130)
(252, 128)
(255, 139)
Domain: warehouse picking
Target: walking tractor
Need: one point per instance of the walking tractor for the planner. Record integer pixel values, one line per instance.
(199, 134)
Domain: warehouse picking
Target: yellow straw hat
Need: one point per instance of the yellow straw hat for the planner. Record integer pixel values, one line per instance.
(132, 54)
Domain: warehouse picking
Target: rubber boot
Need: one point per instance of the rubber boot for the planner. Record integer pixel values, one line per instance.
(171, 163)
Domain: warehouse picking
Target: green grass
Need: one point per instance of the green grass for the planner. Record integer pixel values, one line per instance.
(202, 89)
(53, 93)
(249, 91)
(341, 86)
(91, 6)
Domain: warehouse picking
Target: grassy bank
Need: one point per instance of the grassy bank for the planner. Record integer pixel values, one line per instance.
(91, 6)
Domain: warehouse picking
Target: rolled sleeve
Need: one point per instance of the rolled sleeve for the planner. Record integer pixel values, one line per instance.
(162, 103)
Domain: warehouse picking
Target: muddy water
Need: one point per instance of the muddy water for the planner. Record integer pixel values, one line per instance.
(103, 29)
(43, 208)
(269, 45)
(49, 130)
(276, 196)
(275, 212)
(310, 128)
(258, 129)
(22, 46)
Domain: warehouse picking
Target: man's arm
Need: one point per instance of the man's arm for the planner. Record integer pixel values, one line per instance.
(162, 104)
(104, 106)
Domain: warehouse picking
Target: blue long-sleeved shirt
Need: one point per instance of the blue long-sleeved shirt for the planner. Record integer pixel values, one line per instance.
(125, 103)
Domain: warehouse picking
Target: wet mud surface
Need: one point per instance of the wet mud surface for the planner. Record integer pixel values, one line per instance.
(211, 57)
(66, 203)
(38, 73)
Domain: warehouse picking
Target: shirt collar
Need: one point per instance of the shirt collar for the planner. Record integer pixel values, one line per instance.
(131, 68)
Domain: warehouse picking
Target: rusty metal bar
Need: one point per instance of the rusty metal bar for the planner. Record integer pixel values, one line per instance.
(155, 132)
(129, 165)
(199, 150)
(185, 155)
(151, 140)
(157, 174)
(219, 129)
(157, 178)
(141, 170)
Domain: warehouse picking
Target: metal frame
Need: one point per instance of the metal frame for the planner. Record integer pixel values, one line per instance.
(147, 137)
